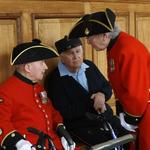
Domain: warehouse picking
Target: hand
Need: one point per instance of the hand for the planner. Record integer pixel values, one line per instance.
(65, 144)
(127, 126)
(24, 145)
(99, 102)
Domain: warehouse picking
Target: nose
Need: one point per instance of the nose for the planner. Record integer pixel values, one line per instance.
(75, 55)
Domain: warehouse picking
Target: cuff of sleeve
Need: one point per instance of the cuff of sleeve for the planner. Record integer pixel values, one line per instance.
(10, 140)
(134, 120)
(60, 130)
(59, 124)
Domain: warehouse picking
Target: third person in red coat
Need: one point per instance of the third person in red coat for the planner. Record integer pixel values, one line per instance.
(128, 70)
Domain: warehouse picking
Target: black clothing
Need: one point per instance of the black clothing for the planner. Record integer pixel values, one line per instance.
(73, 102)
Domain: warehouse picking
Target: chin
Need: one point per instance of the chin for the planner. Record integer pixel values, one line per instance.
(40, 78)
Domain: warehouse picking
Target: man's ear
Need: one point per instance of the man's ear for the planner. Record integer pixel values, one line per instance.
(105, 35)
(27, 67)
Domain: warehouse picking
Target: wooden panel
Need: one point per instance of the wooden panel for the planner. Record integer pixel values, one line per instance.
(9, 34)
(88, 52)
(50, 30)
(123, 21)
(142, 28)
(35, 6)
(8, 40)
(114, 1)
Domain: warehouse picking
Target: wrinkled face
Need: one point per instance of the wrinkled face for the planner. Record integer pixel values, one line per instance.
(72, 58)
(36, 70)
(99, 41)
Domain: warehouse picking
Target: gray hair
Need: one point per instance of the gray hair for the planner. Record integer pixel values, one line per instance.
(115, 32)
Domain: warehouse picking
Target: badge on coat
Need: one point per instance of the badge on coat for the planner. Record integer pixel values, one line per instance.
(43, 97)
(111, 65)
(1, 100)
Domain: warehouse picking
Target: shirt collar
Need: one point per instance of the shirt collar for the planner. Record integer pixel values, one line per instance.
(64, 71)
(23, 78)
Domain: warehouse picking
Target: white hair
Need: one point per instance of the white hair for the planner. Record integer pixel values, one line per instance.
(115, 32)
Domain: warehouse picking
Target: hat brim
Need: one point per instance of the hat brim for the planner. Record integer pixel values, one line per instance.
(92, 28)
(95, 23)
(34, 53)
(78, 31)
(80, 28)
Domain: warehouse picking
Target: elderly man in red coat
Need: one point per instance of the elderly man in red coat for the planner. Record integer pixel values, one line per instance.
(27, 117)
(128, 69)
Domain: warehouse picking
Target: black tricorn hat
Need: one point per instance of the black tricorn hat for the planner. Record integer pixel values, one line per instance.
(95, 23)
(65, 44)
(30, 52)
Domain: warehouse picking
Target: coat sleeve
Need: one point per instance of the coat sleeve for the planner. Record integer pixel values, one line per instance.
(134, 74)
(106, 87)
(8, 135)
(56, 116)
